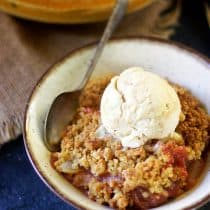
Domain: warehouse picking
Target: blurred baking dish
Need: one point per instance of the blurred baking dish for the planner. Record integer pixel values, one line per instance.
(66, 11)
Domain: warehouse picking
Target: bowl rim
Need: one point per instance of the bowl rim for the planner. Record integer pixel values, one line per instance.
(203, 58)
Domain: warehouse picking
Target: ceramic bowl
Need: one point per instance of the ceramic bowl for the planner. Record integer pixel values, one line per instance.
(177, 63)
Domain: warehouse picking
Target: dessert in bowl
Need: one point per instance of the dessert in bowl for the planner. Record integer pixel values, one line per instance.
(135, 143)
(120, 154)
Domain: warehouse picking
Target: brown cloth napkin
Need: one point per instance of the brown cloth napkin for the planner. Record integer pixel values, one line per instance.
(27, 49)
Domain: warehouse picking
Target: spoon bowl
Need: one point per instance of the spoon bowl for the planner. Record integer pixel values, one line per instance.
(60, 114)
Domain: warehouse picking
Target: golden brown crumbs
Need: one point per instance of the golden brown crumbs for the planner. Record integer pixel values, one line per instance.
(124, 178)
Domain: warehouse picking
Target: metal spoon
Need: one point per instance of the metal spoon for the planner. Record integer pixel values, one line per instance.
(64, 106)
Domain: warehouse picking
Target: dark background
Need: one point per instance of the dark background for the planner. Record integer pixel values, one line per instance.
(21, 188)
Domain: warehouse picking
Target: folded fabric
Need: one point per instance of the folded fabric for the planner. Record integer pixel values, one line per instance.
(27, 49)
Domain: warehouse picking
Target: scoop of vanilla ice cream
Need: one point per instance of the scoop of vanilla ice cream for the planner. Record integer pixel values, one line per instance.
(137, 106)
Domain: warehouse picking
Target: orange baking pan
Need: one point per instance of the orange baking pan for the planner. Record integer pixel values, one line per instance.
(66, 11)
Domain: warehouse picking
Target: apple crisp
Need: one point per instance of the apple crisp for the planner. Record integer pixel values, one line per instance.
(124, 178)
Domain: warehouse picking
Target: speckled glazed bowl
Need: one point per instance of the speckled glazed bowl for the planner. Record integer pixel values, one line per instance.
(177, 63)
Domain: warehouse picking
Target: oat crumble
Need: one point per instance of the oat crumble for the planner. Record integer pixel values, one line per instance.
(122, 178)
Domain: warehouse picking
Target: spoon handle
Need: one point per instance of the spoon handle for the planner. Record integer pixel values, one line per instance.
(115, 18)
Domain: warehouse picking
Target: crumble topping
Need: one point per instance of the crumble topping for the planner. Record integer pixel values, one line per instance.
(122, 177)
